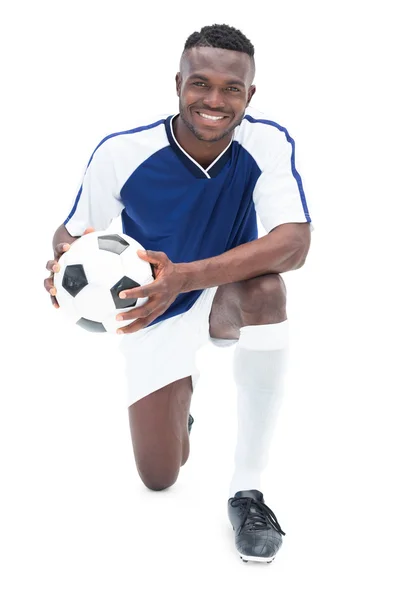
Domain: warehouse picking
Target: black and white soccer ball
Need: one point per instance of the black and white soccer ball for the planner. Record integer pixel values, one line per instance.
(93, 272)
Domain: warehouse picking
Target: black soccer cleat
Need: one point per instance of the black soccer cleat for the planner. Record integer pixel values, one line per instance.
(258, 535)
(191, 421)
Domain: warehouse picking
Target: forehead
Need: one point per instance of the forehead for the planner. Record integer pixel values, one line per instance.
(217, 63)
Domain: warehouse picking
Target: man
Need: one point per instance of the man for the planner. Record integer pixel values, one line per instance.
(189, 188)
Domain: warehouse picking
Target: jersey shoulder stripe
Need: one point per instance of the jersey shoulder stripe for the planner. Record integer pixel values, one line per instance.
(129, 131)
(118, 134)
(290, 140)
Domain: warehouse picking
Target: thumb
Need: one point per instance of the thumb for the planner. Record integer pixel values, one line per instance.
(150, 256)
(89, 230)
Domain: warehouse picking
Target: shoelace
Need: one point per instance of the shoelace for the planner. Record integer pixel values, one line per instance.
(260, 517)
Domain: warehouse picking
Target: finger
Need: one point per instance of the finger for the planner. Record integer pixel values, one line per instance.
(143, 291)
(140, 323)
(151, 256)
(136, 325)
(139, 312)
(49, 286)
(60, 249)
(64, 246)
(52, 265)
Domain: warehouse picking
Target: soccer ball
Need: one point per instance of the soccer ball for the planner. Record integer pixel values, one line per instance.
(96, 268)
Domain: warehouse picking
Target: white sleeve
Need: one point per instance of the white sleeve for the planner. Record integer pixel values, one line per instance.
(278, 194)
(97, 202)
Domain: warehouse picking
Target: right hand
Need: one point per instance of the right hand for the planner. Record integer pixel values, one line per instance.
(54, 267)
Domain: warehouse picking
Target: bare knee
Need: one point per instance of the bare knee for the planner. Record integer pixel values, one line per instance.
(158, 481)
(258, 289)
(159, 473)
(159, 433)
(264, 299)
(159, 466)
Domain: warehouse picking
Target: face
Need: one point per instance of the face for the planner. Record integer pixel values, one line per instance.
(214, 88)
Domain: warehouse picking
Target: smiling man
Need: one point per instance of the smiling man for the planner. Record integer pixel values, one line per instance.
(189, 188)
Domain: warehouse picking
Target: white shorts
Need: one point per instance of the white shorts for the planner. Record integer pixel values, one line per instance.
(165, 352)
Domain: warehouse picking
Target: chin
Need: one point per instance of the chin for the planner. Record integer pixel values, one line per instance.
(207, 136)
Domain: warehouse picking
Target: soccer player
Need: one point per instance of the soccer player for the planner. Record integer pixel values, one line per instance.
(189, 188)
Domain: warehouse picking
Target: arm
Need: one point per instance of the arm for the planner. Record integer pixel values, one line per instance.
(284, 249)
(96, 204)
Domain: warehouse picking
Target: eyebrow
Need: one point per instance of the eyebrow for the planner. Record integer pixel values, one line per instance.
(203, 78)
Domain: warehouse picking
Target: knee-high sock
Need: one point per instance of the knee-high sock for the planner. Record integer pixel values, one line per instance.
(259, 366)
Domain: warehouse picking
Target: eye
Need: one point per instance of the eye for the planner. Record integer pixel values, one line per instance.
(233, 89)
(199, 83)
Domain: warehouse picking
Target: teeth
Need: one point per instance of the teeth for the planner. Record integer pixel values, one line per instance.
(210, 117)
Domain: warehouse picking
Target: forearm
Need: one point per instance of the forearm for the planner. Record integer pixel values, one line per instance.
(274, 253)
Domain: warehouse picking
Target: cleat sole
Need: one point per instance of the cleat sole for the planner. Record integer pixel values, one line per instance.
(246, 559)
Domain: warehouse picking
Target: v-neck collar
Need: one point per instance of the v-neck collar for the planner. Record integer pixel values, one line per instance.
(194, 167)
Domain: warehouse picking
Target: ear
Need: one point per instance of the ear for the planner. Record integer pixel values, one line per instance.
(178, 82)
(252, 91)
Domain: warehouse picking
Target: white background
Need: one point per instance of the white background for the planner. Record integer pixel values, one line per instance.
(75, 519)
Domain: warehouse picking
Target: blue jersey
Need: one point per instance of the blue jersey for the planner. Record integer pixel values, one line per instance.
(170, 203)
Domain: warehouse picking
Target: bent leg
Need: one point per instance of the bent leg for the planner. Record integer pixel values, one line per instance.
(159, 431)
(254, 313)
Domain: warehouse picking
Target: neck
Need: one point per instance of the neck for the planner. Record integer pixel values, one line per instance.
(201, 151)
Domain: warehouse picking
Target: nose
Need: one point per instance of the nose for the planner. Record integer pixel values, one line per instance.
(214, 99)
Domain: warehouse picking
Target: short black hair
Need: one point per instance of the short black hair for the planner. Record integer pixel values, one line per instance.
(220, 36)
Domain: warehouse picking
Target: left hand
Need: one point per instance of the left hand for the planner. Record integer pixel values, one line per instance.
(162, 292)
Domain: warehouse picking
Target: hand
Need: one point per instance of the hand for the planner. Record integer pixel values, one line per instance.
(54, 267)
(162, 292)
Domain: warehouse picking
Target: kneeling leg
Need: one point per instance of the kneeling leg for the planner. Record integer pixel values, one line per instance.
(159, 430)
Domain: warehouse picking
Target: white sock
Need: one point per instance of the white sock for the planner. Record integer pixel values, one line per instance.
(258, 367)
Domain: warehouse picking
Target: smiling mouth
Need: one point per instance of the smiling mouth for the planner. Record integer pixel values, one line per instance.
(211, 118)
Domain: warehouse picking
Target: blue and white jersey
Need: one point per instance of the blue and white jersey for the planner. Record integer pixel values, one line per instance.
(169, 203)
